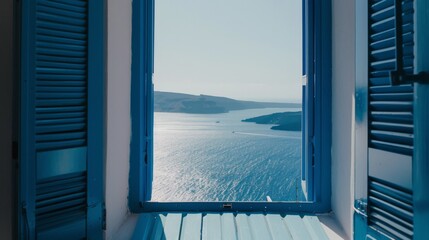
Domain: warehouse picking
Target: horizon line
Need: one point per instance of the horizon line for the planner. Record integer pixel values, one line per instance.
(293, 101)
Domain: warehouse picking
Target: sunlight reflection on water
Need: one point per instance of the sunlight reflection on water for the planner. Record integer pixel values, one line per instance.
(217, 157)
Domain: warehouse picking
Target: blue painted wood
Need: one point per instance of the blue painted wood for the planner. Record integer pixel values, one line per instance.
(383, 59)
(317, 101)
(228, 227)
(243, 227)
(296, 226)
(314, 227)
(59, 162)
(390, 127)
(421, 137)
(141, 148)
(62, 90)
(212, 228)
(322, 104)
(138, 117)
(359, 226)
(317, 104)
(70, 231)
(308, 98)
(27, 187)
(305, 19)
(191, 226)
(96, 114)
(269, 207)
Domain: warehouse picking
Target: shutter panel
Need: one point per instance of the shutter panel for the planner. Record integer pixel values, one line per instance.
(61, 117)
(390, 120)
(390, 107)
(55, 166)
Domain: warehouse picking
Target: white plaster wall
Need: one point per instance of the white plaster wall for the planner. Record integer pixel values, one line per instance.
(343, 87)
(118, 113)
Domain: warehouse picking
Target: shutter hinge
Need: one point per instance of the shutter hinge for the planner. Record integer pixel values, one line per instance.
(103, 217)
(304, 80)
(361, 207)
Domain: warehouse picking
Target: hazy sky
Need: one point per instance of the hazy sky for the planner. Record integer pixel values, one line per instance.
(244, 49)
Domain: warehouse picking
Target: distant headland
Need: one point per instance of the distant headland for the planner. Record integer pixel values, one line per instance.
(205, 104)
(286, 121)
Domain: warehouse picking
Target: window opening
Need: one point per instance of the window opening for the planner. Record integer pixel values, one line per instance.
(227, 101)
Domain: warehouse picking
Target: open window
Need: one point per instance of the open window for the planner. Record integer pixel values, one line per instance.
(227, 101)
(315, 167)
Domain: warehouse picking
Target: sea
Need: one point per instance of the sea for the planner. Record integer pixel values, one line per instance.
(217, 157)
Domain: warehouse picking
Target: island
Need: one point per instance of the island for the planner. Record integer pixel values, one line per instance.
(286, 121)
(206, 104)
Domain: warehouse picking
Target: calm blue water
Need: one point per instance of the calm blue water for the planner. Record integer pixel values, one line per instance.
(216, 157)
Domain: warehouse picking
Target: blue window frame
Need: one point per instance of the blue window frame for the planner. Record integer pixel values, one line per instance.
(316, 106)
(141, 153)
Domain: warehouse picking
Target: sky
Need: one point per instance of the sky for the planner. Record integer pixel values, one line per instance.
(243, 49)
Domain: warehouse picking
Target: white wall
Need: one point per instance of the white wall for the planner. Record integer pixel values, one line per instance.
(343, 87)
(118, 113)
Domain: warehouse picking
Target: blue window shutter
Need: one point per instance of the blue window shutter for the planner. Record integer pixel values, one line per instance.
(389, 203)
(421, 126)
(141, 149)
(61, 121)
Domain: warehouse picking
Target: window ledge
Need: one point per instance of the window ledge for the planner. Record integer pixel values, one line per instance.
(325, 224)
(331, 226)
(127, 228)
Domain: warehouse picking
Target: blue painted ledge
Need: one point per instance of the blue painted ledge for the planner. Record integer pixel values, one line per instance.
(227, 226)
